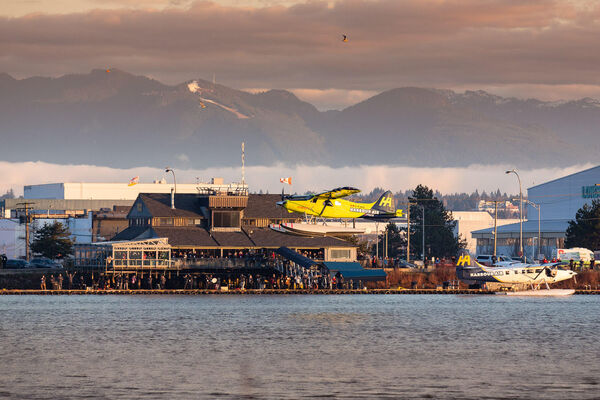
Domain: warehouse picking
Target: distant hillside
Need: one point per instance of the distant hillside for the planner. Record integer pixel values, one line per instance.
(122, 120)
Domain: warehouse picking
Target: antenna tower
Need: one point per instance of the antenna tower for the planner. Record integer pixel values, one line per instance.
(243, 165)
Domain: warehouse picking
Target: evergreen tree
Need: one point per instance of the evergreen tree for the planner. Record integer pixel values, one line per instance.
(8, 195)
(52, 241)
(584, 231)
(439, 226)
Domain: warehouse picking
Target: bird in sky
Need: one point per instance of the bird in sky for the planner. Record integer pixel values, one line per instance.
(344, 38)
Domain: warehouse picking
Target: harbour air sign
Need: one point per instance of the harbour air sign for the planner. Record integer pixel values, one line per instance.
(590, 192)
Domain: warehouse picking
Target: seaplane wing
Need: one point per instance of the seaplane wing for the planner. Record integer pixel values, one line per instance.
(337, 193)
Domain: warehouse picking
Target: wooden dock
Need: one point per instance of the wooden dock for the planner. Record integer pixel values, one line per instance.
(16, 292)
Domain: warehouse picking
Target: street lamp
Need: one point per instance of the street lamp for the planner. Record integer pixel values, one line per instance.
(174, 190)
(513, 171)
(539, 208)
(423, 208)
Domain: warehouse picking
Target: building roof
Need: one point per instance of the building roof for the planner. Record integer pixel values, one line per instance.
(186, 236)
(265, 206)
(235, 239)
(159, 205)
(266, 237)
(130, 233)
(566, 177)
(471, 216)
(548, 228)
(195, 236)
(62, 205)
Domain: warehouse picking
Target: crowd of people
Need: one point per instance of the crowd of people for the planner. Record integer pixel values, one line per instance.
(288, 276)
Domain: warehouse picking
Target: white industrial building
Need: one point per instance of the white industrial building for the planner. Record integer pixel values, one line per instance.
(119, 191)
(469, 221)
(558, 202)
(73, 204)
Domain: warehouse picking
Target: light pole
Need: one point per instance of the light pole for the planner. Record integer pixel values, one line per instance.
(423, 208)
(495, 223)
(539, 208)
(169, 169)
(513, 171)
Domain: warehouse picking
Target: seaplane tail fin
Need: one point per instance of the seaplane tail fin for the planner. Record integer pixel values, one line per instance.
(385, 203)
(466, 260)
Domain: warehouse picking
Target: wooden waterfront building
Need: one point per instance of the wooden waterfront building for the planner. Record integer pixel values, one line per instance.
(216, 225)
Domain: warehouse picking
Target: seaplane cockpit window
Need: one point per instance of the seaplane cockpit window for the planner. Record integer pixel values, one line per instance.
(523, 271)
(538, 270)
(507, 273)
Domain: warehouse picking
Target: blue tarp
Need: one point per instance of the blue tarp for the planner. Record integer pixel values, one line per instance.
(353, 270)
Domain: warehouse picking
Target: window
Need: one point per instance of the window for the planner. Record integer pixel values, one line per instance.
(339, 254)
(139, 207)
(165, 221)
(507, 273)
(226, 219)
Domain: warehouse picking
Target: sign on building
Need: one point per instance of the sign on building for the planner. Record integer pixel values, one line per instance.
(590, 192)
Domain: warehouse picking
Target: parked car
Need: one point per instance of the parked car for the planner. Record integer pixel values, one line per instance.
(487, 259)
(404, 264)
(44, 263)
(16, 263)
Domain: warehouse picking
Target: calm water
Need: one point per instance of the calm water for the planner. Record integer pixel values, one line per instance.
(299, 346)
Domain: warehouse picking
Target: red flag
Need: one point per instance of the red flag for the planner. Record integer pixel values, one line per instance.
(134, 181)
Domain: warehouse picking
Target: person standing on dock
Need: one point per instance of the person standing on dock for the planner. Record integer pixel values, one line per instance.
(70, 276)
(43, 282)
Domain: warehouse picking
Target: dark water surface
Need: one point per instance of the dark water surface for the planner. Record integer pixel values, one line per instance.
(298, 346)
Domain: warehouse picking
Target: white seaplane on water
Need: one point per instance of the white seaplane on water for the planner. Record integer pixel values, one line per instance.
(515, 274)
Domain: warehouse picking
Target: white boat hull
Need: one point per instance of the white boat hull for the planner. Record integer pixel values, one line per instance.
(315, 230)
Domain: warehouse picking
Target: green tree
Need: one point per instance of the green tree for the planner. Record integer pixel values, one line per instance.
(584, 231)
(8, 195)
(439, 226)
(52, 241)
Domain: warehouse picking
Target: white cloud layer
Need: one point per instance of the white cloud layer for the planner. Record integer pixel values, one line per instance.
(305, 178)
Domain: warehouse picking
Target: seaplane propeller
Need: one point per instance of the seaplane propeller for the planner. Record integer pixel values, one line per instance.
(326, 203)
(549, 272)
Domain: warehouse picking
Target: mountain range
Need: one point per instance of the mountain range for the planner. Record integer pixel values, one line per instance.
(114, 118)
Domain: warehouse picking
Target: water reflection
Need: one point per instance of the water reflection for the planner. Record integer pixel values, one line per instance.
(298, 346)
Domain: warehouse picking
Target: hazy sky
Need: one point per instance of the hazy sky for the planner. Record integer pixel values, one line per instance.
(304, 177)
(527, 48)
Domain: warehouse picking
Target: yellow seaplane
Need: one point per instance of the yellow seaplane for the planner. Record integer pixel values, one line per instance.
(330, 204)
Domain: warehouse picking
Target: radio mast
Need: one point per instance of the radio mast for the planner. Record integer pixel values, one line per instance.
(243, 165)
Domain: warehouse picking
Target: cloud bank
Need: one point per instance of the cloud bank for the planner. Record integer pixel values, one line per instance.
(304, 178)
(521, 44)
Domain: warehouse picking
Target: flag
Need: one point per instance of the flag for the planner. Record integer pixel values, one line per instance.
(134, 181)
(286, 180)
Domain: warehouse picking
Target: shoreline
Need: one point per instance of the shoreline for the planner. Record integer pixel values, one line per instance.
(21, 292)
